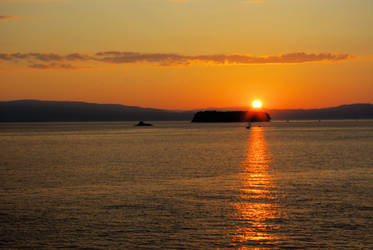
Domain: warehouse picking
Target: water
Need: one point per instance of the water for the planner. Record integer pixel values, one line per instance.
(183, 185)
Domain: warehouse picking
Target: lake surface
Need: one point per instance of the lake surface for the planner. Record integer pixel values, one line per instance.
(183, 185)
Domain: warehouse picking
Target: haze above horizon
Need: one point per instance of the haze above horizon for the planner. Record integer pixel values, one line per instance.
(188, 54)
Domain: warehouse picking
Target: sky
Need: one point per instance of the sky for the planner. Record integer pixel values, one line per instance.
(188, 54)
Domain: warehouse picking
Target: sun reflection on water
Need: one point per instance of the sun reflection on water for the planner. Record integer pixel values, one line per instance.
(257, 210)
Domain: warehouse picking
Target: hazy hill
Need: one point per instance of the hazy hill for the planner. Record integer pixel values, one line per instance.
(352, 111)
(41, 111)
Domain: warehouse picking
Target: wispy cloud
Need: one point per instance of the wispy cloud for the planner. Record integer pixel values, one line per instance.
(52, 66)
(54, 60)
(7, 17)
(176, 59)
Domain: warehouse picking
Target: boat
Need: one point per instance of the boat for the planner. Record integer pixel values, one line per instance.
(143, 124)
(248, 126)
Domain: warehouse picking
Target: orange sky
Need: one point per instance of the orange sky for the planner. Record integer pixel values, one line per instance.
(188, 54)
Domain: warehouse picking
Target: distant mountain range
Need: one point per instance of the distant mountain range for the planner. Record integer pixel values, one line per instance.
(49, 111)
(351, 111)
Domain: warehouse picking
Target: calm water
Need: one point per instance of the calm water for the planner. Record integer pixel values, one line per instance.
(183, 185)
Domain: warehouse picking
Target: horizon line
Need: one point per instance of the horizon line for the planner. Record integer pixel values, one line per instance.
(246, 108)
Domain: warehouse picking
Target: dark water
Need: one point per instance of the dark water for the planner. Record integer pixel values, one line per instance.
(183, 185)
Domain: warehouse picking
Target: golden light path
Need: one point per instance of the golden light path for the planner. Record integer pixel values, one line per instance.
(257, 208)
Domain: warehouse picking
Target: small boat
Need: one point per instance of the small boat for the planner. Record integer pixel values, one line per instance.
(143, 124)
(248, 126)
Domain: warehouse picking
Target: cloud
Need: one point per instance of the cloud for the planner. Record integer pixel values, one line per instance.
(54, 60)
(176, 59)
(7, 17)
(135, 57)
(52, 66)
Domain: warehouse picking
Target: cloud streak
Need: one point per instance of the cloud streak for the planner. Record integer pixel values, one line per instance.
(176, 59)
(54, 60)
(7, 17)
(52, 66)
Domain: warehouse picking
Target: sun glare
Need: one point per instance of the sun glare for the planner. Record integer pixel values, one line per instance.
(257, 104)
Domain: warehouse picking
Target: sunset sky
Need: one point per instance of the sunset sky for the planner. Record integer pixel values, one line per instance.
(186, 54)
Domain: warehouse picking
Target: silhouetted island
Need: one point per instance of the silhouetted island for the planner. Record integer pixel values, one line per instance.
(231, 116)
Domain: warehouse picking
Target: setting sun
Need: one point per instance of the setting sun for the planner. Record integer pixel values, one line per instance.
(257, 104)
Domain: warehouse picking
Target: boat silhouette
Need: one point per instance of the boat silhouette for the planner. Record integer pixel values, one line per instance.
(143, 124)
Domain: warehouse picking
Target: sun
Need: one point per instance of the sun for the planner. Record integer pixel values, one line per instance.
(257, 104)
